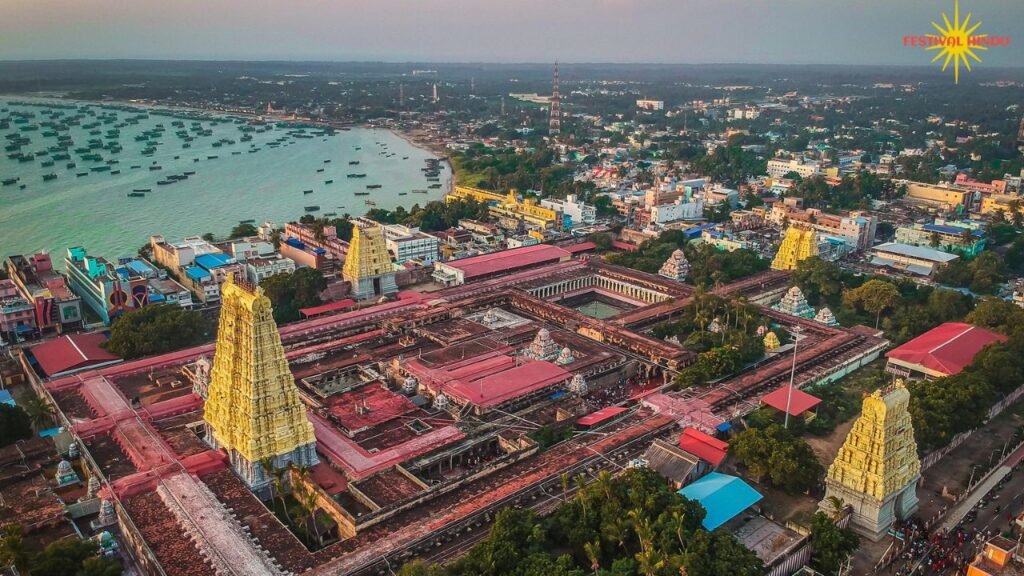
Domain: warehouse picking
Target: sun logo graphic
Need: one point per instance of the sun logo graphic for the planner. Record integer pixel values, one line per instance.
(957, 42)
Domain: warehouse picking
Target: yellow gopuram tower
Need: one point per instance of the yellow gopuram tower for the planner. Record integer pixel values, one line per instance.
(877, 469)
(253, 410)
(798, 244)
(368, 267)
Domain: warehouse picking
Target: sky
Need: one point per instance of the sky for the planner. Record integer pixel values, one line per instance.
(655, 31)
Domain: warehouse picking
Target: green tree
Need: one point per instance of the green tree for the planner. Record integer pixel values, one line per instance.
(243, 230)
(15, 424)
(874, 296)
(39, 412)
(831, 544)
(820, 281)
(935, 240)
(73, 556)
(156, 329)
(776, 453)
(12, 548)
(290, 292)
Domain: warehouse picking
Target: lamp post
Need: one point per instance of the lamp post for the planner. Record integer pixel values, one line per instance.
(792, 374)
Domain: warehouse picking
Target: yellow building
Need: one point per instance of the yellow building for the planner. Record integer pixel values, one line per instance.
(938, 196)
(253, 410)
(877, 468)
(992, 203)
(368, 267)
(508, 206)
(798, 244)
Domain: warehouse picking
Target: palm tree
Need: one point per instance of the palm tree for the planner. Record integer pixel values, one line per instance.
(581, 484)
(309, 503)
(12, 549)
(564, 478)
(39, 412)
(835, 506)
(679, 524)
(604, 483)
(593, 552)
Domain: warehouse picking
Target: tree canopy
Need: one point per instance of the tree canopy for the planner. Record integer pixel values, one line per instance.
(290, 292)
(874, 296)
(15, 424)
(778, 455)
(156, 329)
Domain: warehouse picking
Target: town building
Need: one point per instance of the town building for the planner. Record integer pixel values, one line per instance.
(995, 187)
(720, 194)
(779, 167)
(407, 243)
(111, 290)
(946, 238)
(914, 260)
(456, 272)
(1005, 203)
(56, 306)
(324, 251)
(198, 264)
(509, 206)
(17, 315)
(681, 209)
(574, 211)
(654, 105)
(253, 410)
(1000, 557)
(856, 228)
(942, 351)
(368, 267)
(939, 197)
(259, 268)
(877, 468)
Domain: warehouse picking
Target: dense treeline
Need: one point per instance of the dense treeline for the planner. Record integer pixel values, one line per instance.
(616, 526)
(432, 217)
(156, 329)
(708, 266)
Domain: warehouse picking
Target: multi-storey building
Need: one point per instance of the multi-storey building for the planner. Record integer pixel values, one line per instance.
(260, 268)
(779, 167)
(407, 243)
(56, 306)
(200, 265)
(111, 290)
(856, 228)
(575, 210)
(650, 104)
(17, 315)
(946, 238)
(939, 196)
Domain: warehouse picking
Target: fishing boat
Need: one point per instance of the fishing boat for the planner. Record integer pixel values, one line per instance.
(141, 190)
(374, 186)
(165, 182)
(312, 208)
(361, 193)
(402, 193)
(10, 181)
(356, 175)
(214, 157)
(434, 186)
(80, 174)
(328, 181)
(327, 161)
(136, 195)
(353, 162)
(419, 191)
(158, 167)
(307, 191)
(319, 169)
(249, 221)
(112, 172)
(371, 203)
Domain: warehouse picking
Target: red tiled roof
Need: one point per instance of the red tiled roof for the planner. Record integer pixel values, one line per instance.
(326, 308)
(601, 415)
(581, 247)
(800, 402)
(494, 389)
(620, 245)
(947, 349)
(508, 260)
(72, 352)
(703, 446)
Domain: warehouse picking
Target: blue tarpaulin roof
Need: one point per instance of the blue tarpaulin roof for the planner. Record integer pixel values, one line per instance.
(951, 230)
(723, 496)
(196, 273)
(210, 261)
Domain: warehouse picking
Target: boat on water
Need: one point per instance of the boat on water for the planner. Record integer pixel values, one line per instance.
(402, 193)
(319, 169)
(419, 191)
(47, 164)
(327, 161)
(100, 169)
(80, 174)
(142, 190)
(152, 168)
(136, 166)
(374, 186)
(10, 181)
(361, 193)
(307, 191)
(112, 172)
(371, 203)
(136, 195)
(353, 162)
(22, 187)
(434, 186)
(249, 221)
(189, 173)
(356, 175)
(70, 165)
(312, 208)
(214, 157)
(165, 182)
(328, 181)
(48, 177)
(405, 157)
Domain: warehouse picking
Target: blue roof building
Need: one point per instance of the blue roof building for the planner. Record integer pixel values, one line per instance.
(723, 497)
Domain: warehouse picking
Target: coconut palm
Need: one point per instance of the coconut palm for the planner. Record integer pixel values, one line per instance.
(39, 412)
(593, 552)
(835, 507)
(564, 478)
(12, 548)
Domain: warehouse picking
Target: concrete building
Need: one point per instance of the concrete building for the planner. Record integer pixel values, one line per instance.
(457, 272)
(938, 196)
(56, 306)
(916, 260)
(942, 351)
(578, 212)
(856, 228)
(992, 203)
(654, 105)
(1000, 557)
(17, 315)
(408, 243)
(720, 194)
(323, 251)
(947, 238)
(678, 210)
(779, 167)
(111, 290)
(198, 264)
(258, 269)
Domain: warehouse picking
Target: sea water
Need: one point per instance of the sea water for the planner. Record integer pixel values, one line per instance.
(95, 212)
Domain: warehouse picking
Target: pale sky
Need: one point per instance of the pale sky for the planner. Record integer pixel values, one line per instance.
(663, 31)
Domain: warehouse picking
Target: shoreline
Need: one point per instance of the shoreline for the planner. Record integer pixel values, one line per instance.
(433, 147)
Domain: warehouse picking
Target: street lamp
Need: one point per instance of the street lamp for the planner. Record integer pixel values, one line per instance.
(792, 374)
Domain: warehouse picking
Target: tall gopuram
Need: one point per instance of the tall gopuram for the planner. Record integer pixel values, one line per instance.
(253, 410)
(795, 304)
(676, 267)
(798, 244)
(877, 468)
(368, 267)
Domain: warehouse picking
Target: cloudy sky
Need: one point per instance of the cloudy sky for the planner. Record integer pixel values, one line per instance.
(664, 31)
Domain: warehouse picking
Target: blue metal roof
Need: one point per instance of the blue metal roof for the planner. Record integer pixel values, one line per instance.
(951, 230)
(140, 267)
(196, 273)
(210, 261)
(723, 496)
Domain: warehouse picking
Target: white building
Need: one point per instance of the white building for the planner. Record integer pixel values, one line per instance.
(779, 167)
(408, 243)
(260, 268)
(650, 104)
(580, 213)
(245, 248)
(678, 210)
(720, 194)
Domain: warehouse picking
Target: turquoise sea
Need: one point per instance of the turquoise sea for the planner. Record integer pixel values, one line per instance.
(249, 180)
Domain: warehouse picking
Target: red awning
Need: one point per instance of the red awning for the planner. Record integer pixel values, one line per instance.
(800, 402)
(602, 415)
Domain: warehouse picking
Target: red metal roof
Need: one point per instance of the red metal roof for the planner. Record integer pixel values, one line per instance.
(581, 247)
(494, 389)
(72, 352)
(620, 245)
(800, 402)
(703, 446)
(507, 260)
(947, 349)
(601, 415)
(327, 308)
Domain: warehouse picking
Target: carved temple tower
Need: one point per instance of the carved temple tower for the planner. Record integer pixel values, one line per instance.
(253, 410)
(798, 244)
(877, 468)
(676, 267)
(368, 267)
